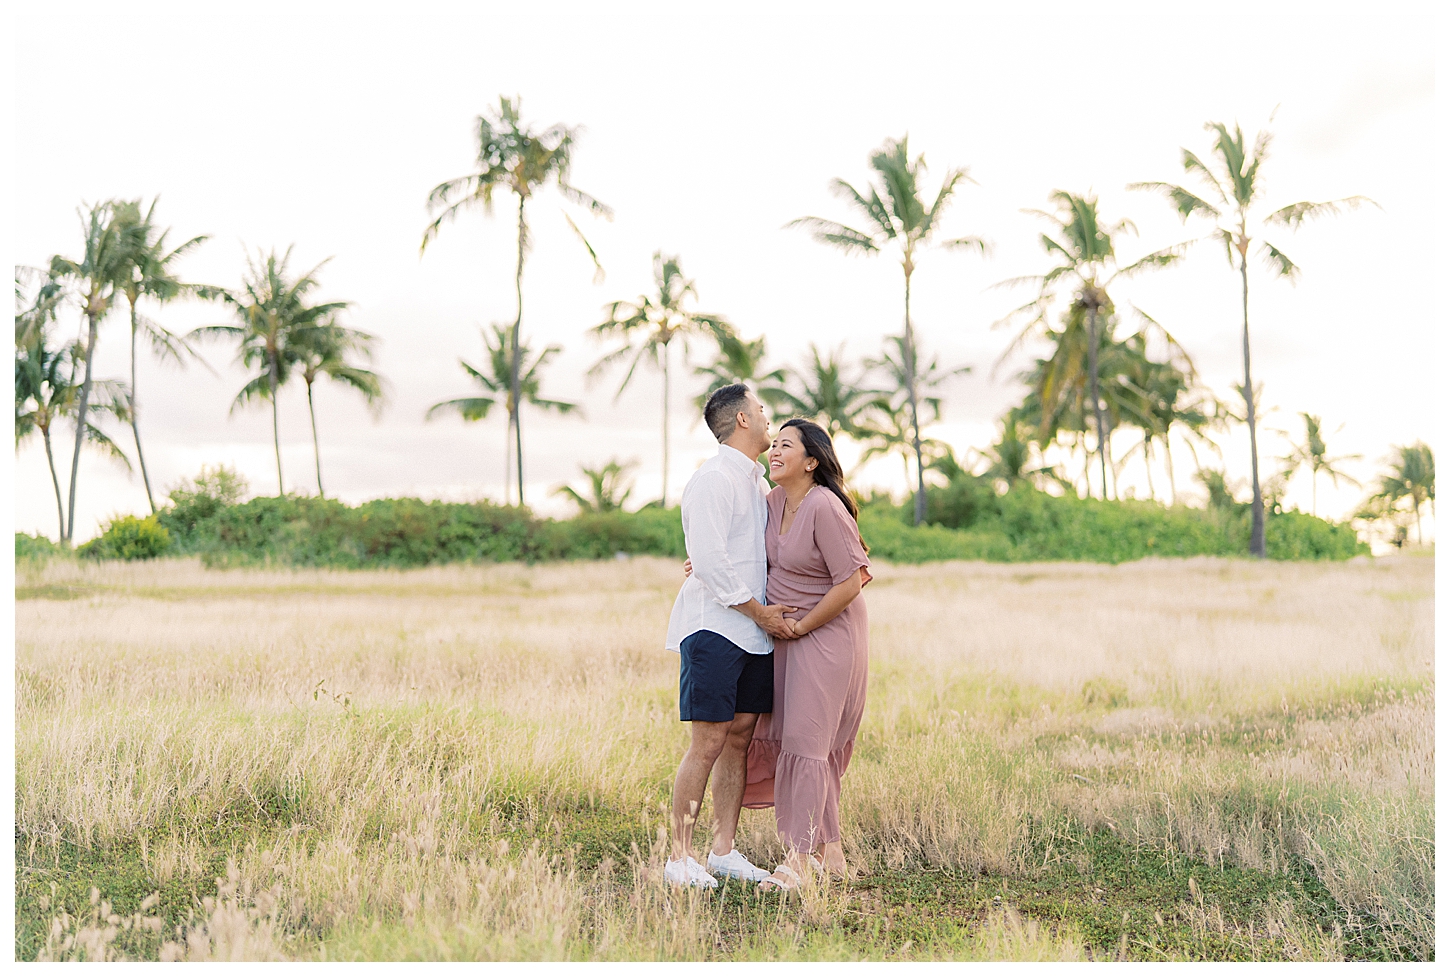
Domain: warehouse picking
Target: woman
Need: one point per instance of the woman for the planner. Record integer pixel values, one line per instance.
(817, 563)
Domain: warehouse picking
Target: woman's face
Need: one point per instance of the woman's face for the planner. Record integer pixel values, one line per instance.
(788, 459)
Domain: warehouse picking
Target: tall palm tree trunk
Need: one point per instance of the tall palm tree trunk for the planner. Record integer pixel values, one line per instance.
(316, 448)
(910, 355)
(1256, 534)
(508, 455)
(75, 464)
(1419, 532)
(516, 359)
(1148, 464)
(50, 459)
(1168, 457)
(1097, 401)
(665, 430)
(276, 429)
(135, 410)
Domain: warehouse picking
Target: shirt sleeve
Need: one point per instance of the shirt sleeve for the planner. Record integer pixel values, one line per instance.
(706, 531)
(839, 540)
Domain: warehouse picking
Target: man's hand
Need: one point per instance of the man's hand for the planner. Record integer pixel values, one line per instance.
(772, 620)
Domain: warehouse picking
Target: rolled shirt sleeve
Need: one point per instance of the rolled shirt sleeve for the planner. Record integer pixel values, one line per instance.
(706, 534)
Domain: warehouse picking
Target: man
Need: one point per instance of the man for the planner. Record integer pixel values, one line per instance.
(722, 630)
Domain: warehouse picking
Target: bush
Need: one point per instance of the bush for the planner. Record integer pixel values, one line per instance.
(193, 503)
(28, 547)
(1028, 525)
(128, 538)
(301, 531)
(1300, 536)
(894, 541)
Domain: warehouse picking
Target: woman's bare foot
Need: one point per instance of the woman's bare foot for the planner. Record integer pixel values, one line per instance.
(791, 873)
(833, 859)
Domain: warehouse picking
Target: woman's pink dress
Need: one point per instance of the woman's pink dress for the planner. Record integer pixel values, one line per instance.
(800, 751)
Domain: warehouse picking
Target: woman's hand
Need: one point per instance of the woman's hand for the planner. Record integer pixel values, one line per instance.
(832, 604)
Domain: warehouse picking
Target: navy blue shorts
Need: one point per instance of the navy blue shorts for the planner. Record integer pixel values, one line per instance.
(718, 678)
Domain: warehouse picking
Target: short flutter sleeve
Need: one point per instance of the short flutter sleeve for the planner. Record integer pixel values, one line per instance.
(839, 540)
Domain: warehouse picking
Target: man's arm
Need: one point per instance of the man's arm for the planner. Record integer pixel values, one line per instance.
(706, 534)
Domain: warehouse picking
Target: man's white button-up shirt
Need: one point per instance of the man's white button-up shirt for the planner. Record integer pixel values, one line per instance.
(723, 510)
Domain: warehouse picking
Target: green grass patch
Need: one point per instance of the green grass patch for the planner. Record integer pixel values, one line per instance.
(1121, 901)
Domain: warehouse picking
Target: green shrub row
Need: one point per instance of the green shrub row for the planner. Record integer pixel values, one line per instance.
(968, 520)
(304, 531)
(1027, 525)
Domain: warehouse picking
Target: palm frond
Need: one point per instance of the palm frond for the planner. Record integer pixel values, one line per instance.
(431, 231)
(558, 406)
(99, 438)
(980, 245)
(1161, 258)
(872, 208)
(830, 232)
(1279, 262)
(1184, 201)
(1305, 210)
(598, 268)
(257, 388)
(575, 195)
(469, 408)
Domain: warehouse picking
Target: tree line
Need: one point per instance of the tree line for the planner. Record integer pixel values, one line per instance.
(1102, 370)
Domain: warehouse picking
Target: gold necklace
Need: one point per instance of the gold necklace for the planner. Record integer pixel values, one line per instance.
(793, 509)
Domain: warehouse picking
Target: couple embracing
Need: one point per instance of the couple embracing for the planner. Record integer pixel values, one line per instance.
(771, 635)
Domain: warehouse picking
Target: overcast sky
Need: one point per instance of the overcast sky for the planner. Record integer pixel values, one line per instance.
(319, 127)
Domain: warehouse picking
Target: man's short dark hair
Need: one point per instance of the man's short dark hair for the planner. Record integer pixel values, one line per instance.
(722, 407)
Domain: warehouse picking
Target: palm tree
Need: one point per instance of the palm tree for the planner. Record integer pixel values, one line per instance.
(322, 351)
(496, 381)
(894, 366)
(609, 487)
(47, 389)
(1411, 476)
(1155, 396)
(822, 392)
(96, 277)
(1236, 190)
(647, 326)
(887, 429)
(1085, 253)
(1058, 386)
(42, 376)
(1313, 454)
(273, 314)
(1011, 455)
(1176, 403)
(902, 218)
(741, 361)
(151, 274)
(518, 159)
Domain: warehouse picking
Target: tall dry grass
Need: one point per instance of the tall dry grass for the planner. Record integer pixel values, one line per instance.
(378, 746)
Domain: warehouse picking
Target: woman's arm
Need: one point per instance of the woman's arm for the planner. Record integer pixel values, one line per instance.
(835, 601)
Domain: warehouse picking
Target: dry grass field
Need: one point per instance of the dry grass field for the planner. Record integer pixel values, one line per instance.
(1168, 759)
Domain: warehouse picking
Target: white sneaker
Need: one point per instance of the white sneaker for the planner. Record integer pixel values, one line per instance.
(735, 866)
(687, 871)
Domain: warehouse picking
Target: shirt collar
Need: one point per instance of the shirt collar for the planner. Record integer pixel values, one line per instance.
(734, 456)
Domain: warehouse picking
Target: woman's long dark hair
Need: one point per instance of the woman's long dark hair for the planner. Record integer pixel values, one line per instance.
(828, 472)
